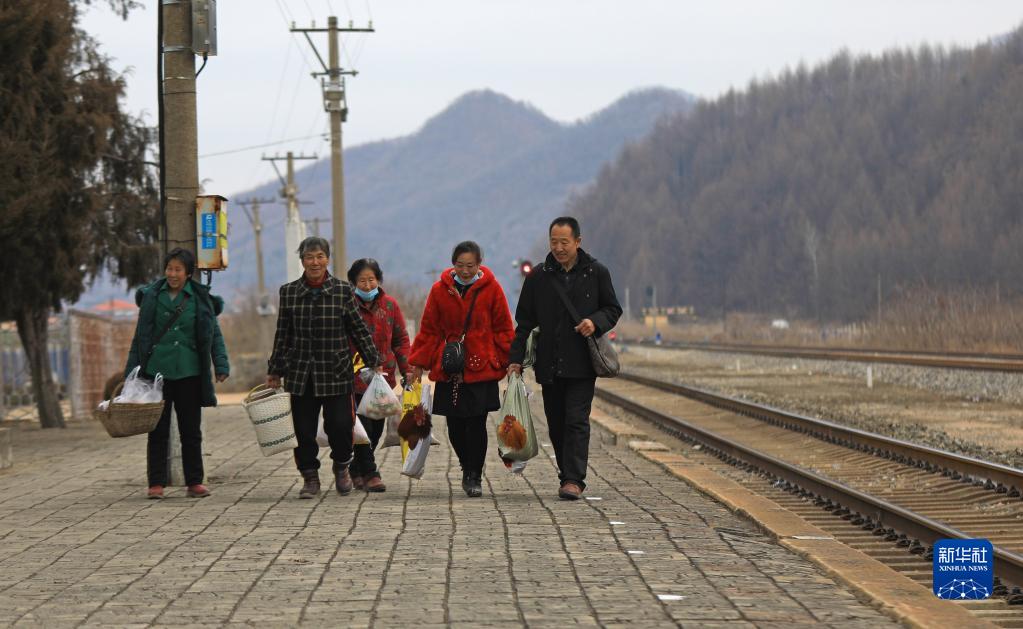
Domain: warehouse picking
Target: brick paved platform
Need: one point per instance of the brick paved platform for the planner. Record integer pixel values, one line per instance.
(79, 545)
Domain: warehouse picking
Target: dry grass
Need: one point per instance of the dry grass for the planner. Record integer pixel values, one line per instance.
(915, 319)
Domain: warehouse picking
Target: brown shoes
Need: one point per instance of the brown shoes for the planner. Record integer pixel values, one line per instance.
(311, 486)
(375, 485)
(359, 482)
(198, 491)
(155, 492)
(570, 491)
(342, 480)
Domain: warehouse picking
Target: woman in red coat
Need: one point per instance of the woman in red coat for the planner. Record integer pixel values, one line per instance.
(386, 324)
(466, 398)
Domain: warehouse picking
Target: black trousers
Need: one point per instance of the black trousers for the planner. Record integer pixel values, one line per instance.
(364, 464)
(338, 420)
(567, 402)
(186, 396)
(468, 436)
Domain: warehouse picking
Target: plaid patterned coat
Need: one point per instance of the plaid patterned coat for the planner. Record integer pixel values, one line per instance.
(312, 339)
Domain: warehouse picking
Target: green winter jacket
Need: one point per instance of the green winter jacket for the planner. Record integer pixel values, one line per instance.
(209, 342)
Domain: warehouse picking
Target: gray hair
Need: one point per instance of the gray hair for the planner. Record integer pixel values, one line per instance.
(313, 243)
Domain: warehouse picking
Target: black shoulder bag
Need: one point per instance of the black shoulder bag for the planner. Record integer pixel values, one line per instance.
(602, 355)
(452, 359)
(170, 322)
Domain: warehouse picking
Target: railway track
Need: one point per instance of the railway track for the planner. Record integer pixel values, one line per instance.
(1012, 363)
(890, 498)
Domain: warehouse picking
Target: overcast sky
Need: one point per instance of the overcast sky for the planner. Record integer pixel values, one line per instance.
(567, 57)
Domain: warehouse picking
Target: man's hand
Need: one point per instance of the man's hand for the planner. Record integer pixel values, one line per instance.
(417, 374)
(586, 327)
(379, 369)
(221, 377)
(514, 368)
(274, 382)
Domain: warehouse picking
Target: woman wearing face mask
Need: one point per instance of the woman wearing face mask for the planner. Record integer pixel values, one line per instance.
(466, 291)
(386, 325)
(177, 335)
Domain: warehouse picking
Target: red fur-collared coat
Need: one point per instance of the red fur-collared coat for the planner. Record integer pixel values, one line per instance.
(490, 331)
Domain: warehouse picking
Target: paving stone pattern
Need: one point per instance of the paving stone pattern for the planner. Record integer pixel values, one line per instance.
(80, 546)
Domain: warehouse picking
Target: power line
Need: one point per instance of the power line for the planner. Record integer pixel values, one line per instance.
(260, 146)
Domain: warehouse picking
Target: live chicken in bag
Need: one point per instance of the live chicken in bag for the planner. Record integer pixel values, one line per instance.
(516, 436)
(416, 421)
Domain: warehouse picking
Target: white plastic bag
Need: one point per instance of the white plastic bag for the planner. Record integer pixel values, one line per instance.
(391, 437)
(415, 462)
(361, 437)
(379, 400)
(138, 390)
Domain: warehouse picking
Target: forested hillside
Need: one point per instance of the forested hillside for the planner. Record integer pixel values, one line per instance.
(794, 195)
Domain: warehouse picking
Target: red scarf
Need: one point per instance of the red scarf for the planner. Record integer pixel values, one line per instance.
(312, 284)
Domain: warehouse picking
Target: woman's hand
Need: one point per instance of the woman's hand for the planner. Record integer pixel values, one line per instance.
(273, 382)
(221, 377)
(417, 374)
(514, 368)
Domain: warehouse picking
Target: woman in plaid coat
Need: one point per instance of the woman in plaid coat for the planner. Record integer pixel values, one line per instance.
(316, 321)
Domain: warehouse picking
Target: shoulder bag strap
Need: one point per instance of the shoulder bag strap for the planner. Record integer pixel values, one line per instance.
(468, 315)
(177, 313)
(564, 299)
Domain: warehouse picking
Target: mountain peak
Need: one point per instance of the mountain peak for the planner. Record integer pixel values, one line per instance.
(485, 113)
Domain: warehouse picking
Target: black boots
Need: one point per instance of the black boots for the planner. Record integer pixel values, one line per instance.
(311, 486)
(472, 484)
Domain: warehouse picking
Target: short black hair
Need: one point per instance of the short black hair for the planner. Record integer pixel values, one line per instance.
(313, 243)
(467, 246)
(361, 265)
(561, 221)
(184, 256)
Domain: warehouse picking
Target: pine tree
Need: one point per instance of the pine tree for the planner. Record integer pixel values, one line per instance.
(76, 193)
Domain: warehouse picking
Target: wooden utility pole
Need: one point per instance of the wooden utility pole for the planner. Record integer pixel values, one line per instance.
(257, 229)
(294, 228)
(316, 224)
(335, 104)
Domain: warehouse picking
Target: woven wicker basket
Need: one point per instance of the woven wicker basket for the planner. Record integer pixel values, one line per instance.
(270, 413)
(123, 419)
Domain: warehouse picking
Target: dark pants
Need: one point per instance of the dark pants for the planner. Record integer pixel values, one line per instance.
(566, 402)
(468, 436)
(364, 464)
(338, 414)
(186, 396)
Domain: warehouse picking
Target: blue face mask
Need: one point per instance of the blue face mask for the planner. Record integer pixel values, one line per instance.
(459, 279)
(367, 295)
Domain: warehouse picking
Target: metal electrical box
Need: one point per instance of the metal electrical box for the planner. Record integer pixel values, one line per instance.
(204, 27)
(211, 232)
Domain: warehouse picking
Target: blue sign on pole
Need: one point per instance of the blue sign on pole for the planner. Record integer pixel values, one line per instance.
(209, 223)
(963, 569)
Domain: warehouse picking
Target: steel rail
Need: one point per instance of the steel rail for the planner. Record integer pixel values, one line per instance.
(876, 511)
(1012, 363)
(993, 476)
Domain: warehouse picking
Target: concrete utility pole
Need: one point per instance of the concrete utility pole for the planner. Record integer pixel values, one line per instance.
(335, 104)
(294, 228)
(181, 153)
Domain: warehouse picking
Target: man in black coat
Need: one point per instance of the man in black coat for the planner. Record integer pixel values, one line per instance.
(563, 367)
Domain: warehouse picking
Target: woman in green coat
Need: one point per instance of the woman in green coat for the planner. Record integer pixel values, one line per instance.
(178, 336)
